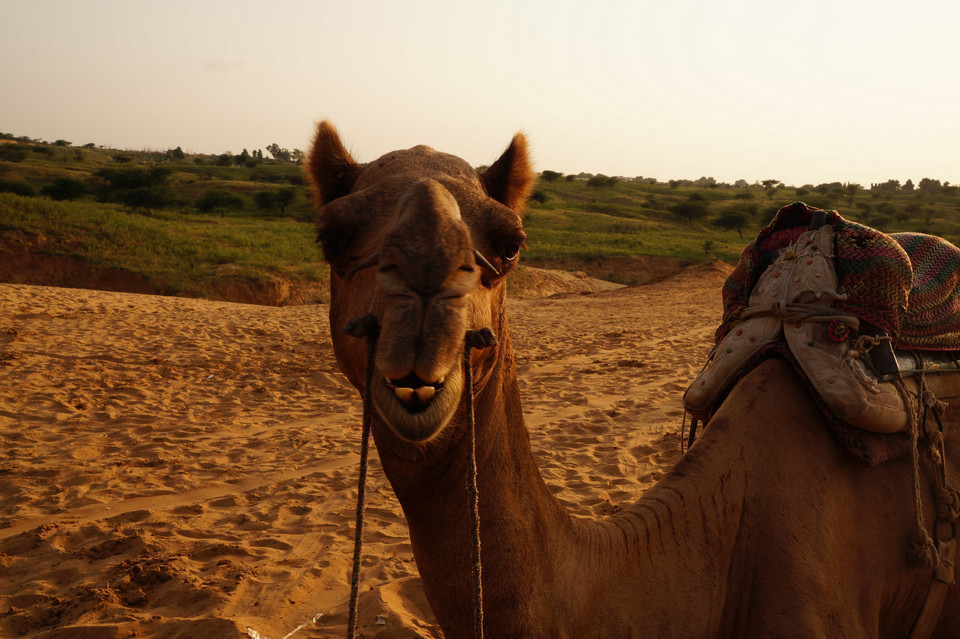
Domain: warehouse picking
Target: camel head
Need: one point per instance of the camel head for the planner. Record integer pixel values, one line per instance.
(422, 242)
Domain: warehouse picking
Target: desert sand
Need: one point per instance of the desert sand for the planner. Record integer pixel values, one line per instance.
(185, 468)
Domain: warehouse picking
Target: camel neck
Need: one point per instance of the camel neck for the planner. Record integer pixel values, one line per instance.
(537, 557)
(520, 519)
(666, 550)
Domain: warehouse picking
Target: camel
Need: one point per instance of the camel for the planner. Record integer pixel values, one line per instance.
(764, 528)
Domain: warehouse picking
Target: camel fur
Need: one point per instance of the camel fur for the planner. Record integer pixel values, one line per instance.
(765, 528)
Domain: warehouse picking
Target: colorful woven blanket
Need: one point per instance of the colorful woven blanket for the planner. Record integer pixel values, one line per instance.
(932, 322)
(907, 284)
(874, 271)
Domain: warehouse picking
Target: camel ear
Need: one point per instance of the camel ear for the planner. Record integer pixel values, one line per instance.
(509, 180)
(330, 170)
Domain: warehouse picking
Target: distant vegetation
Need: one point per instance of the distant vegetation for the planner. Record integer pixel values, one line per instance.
(185, 222)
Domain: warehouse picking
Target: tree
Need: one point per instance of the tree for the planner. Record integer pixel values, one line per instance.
(600, 180)
(852, 189)
(908, 185)
(732, 219)
(930, 187)
(279, 198)
(692, 209)
(219, 200)
(597, 181)
(64, 188)
(706, 183)
(550, 176)
(278, 153)
(771, 183)
(890, 186)
(136, 187)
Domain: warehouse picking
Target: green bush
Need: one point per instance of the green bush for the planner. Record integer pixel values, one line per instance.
(64, 188)
(275, 198)
(20, 188)
(219, 200)
(12, 153)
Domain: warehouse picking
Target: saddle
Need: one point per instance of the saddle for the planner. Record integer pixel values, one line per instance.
(836, 297)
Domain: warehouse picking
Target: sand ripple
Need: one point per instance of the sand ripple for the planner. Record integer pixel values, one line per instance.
(184, 468)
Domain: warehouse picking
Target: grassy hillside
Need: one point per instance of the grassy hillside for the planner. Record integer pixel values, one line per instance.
(191, 224)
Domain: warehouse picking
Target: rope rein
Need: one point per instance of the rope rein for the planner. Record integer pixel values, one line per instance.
(368, 328)
(475, 339)
(921, 549)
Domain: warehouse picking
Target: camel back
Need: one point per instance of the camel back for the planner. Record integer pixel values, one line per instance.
(833, 297)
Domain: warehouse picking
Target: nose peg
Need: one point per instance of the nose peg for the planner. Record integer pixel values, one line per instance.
(480, 339)
(484, 262)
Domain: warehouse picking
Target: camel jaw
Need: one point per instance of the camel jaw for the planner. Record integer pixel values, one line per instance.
(417, 414)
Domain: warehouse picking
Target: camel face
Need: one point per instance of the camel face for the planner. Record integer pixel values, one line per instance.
(422, 242)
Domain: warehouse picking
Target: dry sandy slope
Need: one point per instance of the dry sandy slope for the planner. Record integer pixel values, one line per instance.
(183, 468)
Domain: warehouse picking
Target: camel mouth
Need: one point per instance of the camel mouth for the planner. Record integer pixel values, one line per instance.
(414, 409)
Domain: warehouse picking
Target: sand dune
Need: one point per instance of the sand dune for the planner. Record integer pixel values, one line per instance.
(184, 468)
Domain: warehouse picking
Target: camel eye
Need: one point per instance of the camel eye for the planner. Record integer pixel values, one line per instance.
(330, 244)
(509, 251)
(336, 233)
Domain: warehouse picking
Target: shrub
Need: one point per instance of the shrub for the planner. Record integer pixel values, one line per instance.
(12, 153)
(137, 187)
(690, 209)
(219, 200)
(732, 219)
(19, 188)
(279, 198)
(64, 188)
(539, 197)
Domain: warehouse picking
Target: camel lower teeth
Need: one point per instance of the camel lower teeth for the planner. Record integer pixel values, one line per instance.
(426, 393)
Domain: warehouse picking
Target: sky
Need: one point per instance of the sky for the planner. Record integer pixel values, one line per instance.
(803, 92)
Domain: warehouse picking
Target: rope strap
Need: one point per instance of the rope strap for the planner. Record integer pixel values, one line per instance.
(480, 339)
(921, 550)
(367, 328)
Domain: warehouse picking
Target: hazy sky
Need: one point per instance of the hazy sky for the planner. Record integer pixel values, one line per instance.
(804, 92)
